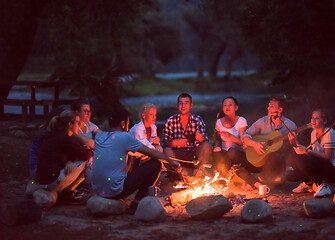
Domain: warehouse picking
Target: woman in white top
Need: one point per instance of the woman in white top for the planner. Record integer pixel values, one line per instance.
(316, 164)
(146, 132)
(228, 147)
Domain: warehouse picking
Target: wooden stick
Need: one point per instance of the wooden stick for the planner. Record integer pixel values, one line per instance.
(214, 131)
(195, 162)
(310, 145)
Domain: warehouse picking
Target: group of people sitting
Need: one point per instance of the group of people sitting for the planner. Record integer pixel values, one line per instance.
(118, 162)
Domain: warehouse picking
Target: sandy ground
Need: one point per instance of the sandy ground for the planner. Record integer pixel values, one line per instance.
(76, 222)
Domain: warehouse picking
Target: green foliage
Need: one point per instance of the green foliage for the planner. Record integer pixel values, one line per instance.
(293, 37)
(146, 86)
(215, 32)
(296, 39)
(93, 43)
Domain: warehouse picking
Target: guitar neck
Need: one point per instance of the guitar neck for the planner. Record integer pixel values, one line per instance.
(282, 137)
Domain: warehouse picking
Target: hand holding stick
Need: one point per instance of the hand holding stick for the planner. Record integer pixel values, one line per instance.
(194, 162)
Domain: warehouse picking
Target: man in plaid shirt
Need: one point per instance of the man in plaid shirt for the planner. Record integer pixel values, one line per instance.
(184, 135)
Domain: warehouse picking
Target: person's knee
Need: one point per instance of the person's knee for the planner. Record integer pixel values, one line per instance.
(233, 153)
(168, 152)
(276, 159)
(155, 164)
(217, 156)
(205, 146)
(205, 149)
(293, 159)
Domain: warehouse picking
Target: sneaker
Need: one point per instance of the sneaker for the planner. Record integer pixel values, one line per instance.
(303, 188)
(322, 191)
(72, 197)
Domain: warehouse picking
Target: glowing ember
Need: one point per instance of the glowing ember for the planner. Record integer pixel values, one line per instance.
(206, 187)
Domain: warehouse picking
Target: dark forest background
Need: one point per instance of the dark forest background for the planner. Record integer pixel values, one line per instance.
(102, 47)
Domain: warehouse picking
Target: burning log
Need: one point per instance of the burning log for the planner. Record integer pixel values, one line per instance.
(181, 197)
(206, 187)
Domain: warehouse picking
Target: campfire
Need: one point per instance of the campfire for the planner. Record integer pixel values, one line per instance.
(200, 187)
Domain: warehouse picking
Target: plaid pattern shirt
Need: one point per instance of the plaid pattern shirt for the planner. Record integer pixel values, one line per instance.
(173, 129)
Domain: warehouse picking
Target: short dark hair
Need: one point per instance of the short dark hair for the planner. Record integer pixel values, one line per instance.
(76, 106)
(117, 116)
(232, 98)
(184, 95)
(281, 101)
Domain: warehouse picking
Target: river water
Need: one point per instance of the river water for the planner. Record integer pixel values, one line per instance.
(201, 100)
(251, 106)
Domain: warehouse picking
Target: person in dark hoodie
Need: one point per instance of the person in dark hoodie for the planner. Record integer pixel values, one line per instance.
(56, 170)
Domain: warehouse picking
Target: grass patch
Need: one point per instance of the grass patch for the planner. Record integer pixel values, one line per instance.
(144, 86)
(25, 76)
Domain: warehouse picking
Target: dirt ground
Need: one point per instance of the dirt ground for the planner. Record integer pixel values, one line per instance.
(76, 222)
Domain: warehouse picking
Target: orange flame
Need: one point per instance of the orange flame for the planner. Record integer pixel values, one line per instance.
(206, 187)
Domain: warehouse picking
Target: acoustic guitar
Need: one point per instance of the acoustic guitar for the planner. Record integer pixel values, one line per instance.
(272, 143)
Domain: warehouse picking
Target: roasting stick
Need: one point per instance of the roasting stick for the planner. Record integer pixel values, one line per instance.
(184, 180)
(214, 135)
(195, 162)
(310, 145)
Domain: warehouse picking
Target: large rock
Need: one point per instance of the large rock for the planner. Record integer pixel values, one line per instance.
(150, 209)
(100, 206)
(208, 207)
(45, 198)
(256, 211)
(318, 208)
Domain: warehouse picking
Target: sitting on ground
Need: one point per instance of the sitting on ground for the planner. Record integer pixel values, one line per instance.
(185, 136)
(56, 170)
(109, 176)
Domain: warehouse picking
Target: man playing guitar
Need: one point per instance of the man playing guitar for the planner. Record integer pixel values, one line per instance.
(273, 164)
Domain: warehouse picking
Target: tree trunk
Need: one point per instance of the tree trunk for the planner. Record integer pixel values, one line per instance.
(237, 52)
(18, 24)
(215, 64)
(201, 68)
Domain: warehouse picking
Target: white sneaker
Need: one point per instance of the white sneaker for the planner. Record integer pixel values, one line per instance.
(322, 191)
(303, 188)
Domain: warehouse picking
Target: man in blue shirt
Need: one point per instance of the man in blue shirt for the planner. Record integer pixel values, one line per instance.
(109, 175)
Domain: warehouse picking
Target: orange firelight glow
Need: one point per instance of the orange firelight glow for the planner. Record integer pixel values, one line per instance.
(205, 187)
